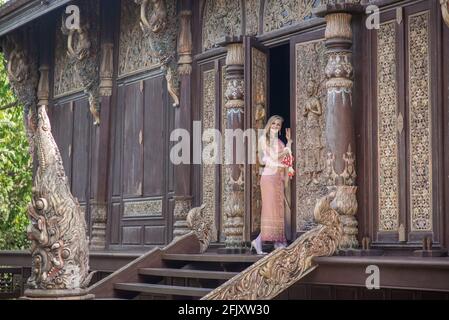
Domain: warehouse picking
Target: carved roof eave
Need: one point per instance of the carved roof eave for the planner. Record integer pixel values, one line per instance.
(17, 13)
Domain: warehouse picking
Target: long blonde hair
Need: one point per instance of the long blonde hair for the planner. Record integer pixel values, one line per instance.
(266, 131)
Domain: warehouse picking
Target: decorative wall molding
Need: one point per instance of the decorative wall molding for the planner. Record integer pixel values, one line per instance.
(310, 90)
(387, 128)
(220, 18)
(146, 208)
(274, 273)
(420, 123)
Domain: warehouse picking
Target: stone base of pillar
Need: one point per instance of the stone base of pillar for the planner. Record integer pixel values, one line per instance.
(77, 294)
(345, 203)
(99, 218)
(182, 208)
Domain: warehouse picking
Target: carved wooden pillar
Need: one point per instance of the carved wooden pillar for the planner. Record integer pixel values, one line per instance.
(183, 198)
(99, 205)
(339, 122)
(234, 208)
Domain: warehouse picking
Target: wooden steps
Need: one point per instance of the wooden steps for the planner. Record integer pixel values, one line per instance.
(187, 273)
(163, 289)
(185, 276)
(210, 257)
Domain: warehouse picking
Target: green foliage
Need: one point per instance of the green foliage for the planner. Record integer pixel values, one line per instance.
(15, 171)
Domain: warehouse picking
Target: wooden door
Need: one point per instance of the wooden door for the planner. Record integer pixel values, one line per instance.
(256, 110)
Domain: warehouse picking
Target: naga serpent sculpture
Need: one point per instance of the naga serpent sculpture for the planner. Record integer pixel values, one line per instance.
(58, 228)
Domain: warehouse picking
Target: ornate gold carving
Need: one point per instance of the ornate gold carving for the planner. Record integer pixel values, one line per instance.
(345, 203)
(259, 65)
(220, 18)
(99, 219)
(235, 54)
(225, 185)
(388, 127)
(158, 19)
(338, 25)
(22, 69)
(58, 228)
(235, 210)
(281, 13)
(135, 54)
(420, 123)
(151, 208)
(445, 10)
(310, 138)
(348, 176)
(202, 225)
(67, 78)
(339, 70)
(161, 31)
(185, 44)
(274, 273)
(208, 122)
(106, 69)
(83, 48)
(252, 10)
(182, 208)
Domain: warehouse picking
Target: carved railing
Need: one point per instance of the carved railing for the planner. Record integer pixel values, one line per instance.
(276, 272)
(11, 282)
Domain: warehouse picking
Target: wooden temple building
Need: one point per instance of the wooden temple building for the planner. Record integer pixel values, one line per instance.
(371, 190)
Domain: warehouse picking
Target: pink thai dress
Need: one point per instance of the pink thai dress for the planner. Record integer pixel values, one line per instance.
(272, 189)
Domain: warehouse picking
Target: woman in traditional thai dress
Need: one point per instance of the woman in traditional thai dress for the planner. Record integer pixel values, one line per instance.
(272, 182)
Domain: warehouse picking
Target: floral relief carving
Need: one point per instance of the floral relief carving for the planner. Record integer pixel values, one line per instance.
(310, 138)
(282, 13)
(420, 123)
(67, 77)
(220, 18)
(135, 54)
(387, 131)
(208, 122)
(259, 104)
(252, 9)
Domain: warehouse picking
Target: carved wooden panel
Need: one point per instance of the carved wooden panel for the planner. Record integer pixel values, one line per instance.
(387, 129)
(252, 10)
(420, 122)
(259, 65)
(225, 184)
(208, 122)
(310, 125)
(281, 13)
(67, 78)
(137, 209)
(220, 18)
(135, 52)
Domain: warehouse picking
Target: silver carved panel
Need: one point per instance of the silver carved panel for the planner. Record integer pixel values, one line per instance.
(137, 209)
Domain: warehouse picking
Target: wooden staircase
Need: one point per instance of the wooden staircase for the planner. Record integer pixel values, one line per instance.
(175, 272)
(185, 276)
